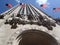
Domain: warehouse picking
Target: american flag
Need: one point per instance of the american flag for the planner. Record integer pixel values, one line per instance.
(23, 5)
(56, 9)
(43, 5)
(9, 5)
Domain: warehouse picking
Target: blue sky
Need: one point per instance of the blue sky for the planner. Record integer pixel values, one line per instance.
(49, 10)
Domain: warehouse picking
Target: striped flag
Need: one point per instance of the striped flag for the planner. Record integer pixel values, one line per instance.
(23, 5)
(56, 9)
(43, 5)
(9, 5)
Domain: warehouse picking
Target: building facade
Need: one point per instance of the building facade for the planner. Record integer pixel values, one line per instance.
(26, 21)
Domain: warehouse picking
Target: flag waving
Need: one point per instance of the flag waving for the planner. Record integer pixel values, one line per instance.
(9, 5)
(23, 5)
(43, 5)
(56, 9)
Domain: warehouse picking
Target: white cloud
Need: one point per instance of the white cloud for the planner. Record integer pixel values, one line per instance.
(18, 1)
(41, 2)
